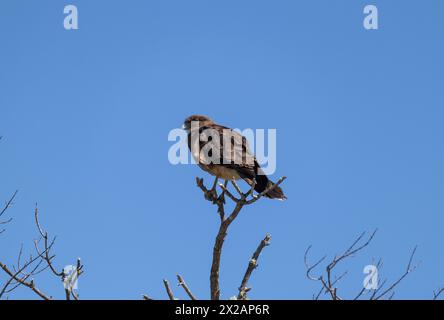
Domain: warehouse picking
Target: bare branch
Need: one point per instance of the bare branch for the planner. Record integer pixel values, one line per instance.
(329, 281)
(217, 252)
(313, 266)
(168, 289)
(22, 281)
(409, 269)
(45, 237)
(437, 293)
(19, 274)
(352, 249)
(8, 204)
(225, 221)
(252, 264)
(228, 193)
(185, 287)
(236, 186)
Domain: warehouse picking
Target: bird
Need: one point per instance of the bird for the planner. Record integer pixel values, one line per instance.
(226, 158)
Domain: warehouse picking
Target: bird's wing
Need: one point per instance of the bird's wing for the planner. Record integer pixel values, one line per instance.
(233, 150)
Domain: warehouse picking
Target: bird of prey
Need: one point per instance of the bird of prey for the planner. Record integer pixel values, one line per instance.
(224, 153)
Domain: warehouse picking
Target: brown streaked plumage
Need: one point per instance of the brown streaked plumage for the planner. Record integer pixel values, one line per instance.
(227, 168)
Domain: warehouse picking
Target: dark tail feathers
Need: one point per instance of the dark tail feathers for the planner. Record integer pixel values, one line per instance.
(263, 183)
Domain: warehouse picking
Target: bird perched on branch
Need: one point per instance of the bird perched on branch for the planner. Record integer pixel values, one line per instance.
(224, 153)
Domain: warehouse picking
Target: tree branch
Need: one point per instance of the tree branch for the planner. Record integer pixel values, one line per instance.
(185, 287)
(22, 281)
(437, 293)
(5, 208)
(329, 280)
(409, 269)
(19, 275)
(225, 222)
(168, 289)
(252, 264)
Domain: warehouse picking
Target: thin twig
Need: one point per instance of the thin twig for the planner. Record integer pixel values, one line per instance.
(5, 208)
(407, 271)
(329, 280)
(44, 235)
(8, 203)
(437, 293)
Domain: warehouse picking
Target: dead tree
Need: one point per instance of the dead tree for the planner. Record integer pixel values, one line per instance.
(226, 219)
(328, 280)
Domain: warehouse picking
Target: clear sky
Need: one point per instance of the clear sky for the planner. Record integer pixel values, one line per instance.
(85, 116)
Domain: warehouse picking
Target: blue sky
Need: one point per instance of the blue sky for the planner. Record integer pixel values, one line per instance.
(85, 116)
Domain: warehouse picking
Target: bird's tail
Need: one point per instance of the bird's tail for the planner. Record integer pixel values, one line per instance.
(263, 183)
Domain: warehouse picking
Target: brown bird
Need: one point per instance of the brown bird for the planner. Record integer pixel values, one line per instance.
(224, 153)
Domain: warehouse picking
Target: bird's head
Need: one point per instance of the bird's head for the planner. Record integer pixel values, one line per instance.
(198, 120)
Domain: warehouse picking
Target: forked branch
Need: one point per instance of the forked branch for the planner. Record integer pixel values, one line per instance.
(244, 199)
(23, 273)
